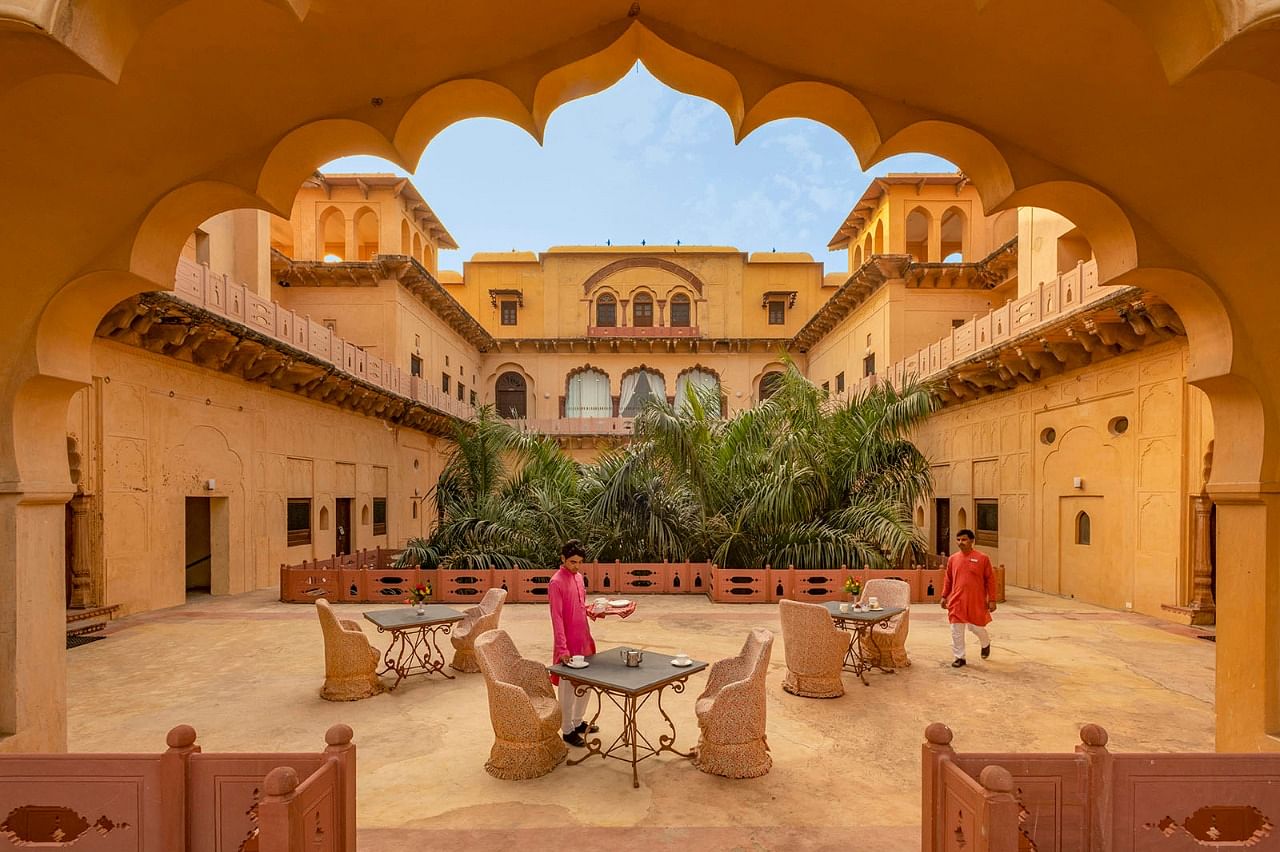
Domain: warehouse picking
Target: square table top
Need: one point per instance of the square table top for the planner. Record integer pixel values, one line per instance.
(404, 617)
(874, 616)
(607, 671)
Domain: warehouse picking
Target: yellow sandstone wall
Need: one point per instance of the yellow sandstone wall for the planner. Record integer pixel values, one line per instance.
(156, 430)
(1134, 484)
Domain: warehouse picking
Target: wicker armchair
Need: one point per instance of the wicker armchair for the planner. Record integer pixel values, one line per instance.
(523, 709)
(815, 650)
(886, 643)
(479, 618)
(731, 713)
(349, 659)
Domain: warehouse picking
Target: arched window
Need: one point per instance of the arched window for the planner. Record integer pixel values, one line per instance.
(642, 310)
(917, 234)
(681, 311)
(879, 243)
(867, 247)
(606, 311)
(857, 257)
(417, 248)
(1084, 528)
(366, 234)
(333, 235)
(638, 388)
(588, 395)
(406, 238)
(511, 396)
(955, 235)
(769, 384)
(704, 384)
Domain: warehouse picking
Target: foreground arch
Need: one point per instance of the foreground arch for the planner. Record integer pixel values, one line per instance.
(109, 212)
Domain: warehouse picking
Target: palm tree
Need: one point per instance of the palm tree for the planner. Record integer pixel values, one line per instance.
(505, 499)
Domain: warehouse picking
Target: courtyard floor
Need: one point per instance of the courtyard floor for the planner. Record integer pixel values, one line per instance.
(245, 670)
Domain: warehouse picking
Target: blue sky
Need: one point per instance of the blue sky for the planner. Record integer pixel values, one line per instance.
(640, 161)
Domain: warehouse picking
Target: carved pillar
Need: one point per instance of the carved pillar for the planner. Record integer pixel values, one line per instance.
(662, 310)
(622, 312)
(80, 541)
(1203, 609)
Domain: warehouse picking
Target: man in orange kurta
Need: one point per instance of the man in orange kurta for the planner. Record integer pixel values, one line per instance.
(968, 596)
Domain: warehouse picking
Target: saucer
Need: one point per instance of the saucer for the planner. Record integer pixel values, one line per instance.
(875, 608)
(573, 665)
(682, 665)
(620, 602)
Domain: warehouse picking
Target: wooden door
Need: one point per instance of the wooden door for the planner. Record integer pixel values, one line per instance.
(342, 521)
(942, 525)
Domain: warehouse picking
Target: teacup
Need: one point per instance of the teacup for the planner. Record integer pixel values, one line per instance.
(844, 607)
(874, 603)
(577, 659)
(682, 659)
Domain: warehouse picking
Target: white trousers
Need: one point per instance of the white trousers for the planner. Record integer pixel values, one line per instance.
(572, 707)
(957, 637)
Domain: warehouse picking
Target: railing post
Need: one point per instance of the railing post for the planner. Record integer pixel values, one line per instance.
(999, 823)
(1097, 793)
(935, 754)
(275, 829)
(340, 748)
(173, 791)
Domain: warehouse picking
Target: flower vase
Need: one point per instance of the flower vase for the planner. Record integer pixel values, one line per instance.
(420, 608)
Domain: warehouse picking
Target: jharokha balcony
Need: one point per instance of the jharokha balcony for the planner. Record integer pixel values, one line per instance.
(642, 331)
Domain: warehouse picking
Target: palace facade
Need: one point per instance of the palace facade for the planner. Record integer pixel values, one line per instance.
(294, 396)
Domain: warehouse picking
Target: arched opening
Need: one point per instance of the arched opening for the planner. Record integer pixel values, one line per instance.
(857, 257)
(879, 239)
(331, 234)
(364, 515)
(366, 233)
(417, 248)
(1084, 531)
(606, 311)
(638, 388)
(587, 395)
(406, 238)
(962, 519)
(511, 396)
(324, 518)
(642, 310)
(1073, 249)
(916, 233)
(955, 236)
(769, 384)
(681, 311)
(282, 236)
(704, 384)
(867, 248)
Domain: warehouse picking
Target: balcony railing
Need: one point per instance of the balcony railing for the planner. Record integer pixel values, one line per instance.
(196, 284)
(583, 426)
(1052, 300)
(642, 331)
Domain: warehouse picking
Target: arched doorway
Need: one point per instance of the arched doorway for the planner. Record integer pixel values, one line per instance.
(769, 384)
(511, 397)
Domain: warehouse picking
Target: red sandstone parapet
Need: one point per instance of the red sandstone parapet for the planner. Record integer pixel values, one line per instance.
(269, 802)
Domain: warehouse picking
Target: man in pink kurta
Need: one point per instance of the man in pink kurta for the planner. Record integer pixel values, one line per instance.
(968, 596)
(567, 595)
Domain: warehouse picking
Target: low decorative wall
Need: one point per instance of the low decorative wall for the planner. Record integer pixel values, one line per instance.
(183, 798)
(367, 577)
(1092, 800)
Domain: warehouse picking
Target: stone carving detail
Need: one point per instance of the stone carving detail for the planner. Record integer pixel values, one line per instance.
(1219, 826)
(53, 826)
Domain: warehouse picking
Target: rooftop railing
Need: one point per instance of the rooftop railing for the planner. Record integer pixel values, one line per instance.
(198, 285)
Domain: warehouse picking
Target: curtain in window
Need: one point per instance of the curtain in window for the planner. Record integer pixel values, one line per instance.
(638, 388)
(702, 383)
(588, 395)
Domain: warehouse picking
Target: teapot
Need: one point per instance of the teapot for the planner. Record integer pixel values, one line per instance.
(632, 657)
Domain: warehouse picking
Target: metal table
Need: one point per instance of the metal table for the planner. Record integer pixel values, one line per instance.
(414, 639)
(860, 623)
(629, 689)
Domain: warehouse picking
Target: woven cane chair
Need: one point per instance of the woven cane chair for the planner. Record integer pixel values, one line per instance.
(731, 712)
(476, 620)
(523, 709)
(815, 650)
(886, 643)
(349, 659)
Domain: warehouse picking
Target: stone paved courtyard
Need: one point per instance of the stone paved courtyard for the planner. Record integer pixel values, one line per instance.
(245, 671)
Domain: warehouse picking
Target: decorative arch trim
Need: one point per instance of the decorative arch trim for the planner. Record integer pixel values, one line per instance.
(617, 266)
